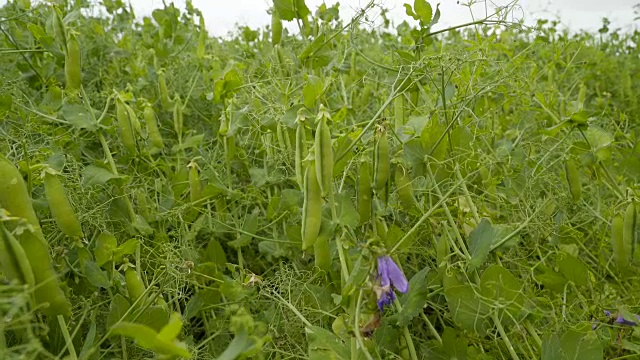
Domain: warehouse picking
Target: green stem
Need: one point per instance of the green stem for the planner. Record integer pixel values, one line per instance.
(533, 333)
(504, 336)
(356, 328)
(407, 335)
(432, 329)
(67, 338)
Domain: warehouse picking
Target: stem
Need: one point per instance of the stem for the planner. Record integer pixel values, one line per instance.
(67, 338)
(533, 333)
(356, 328)
(504, 336)
(432, 329)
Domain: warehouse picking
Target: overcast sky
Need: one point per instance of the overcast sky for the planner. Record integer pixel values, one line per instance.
(222, 15)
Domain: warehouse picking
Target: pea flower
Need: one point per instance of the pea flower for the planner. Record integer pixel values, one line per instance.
(390, 276)
(622, 321)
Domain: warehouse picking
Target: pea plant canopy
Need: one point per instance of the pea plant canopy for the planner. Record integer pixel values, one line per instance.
(343, 192)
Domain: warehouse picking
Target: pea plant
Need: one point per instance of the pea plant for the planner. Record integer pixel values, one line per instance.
(355, 189)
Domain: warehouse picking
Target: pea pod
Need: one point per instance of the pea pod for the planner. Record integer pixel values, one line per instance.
(125, 129)
(152, 128)
(301, 151)
(15, 199)
(364, 193)
(620, 256)
(404, 187)
(59, 30)
(629, 229)
(398, 111)
(312, 208)
(13, 258)
(323, 153)
(321, 250)
(178, 119)
(164, 92)
(61, 209)
(135, 286)
(133, 118)
(202, 40)
(381, 160)
(276, 28)
(73, 64)
(195, 187)
(573, 178)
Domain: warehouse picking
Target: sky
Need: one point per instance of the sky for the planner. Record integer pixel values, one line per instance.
(221, 16)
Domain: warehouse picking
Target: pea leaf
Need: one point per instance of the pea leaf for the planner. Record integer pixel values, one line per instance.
(323, 344)
(356, 277)
(499, 284)
(96, 276)
(240, 344)
(423, 10)
(128, 248)
(573, 344)
(480, 240)
(467, 309)
(414, 301)
(117, 308)
(78, 116)
(311, 91)
(346, 212)
(155, 317)
(94, 175)
(573, 269)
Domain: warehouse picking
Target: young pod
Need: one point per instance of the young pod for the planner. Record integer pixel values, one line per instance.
(133, 118)
(381, 160)
(195, 187)
(59, 31)
(178, 119)
(404, 187)
(312, 208)
(301, 151)
(323, 154)
(61, 209)
(13, 259)
(135, 286)
(398, 111)
(152, 127)
(573, 178)
(73, 64)
(620, 255)
(125, 129)
(321, 249)
(276, 28)
(202, 40)
(164, 92)
(629, 229)
(15, 199)
(364, 193)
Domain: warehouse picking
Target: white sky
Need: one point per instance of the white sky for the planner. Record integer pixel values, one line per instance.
(222, 15)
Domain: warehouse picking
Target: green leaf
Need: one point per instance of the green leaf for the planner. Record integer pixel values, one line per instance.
(6, 101)
(573, 269)
(572, 345)
(93, 175)
(105, 245)
(258, 176)
(499, 284)
(454, 347)
(347, 214)
(467, 309)
(415, 300)
(323, 344)
(250, 225)
(128, 248)
(117, 308)
(409, 11)
(356, 277)
(285, 9)
(78, 116)
(96, 276)
(423, 10)
(171, 331)
(240, 344)
(480, 240)
(311, 91)
(155, 317)
(215, 253)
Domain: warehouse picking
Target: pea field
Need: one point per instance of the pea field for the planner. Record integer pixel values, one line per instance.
(354, 189)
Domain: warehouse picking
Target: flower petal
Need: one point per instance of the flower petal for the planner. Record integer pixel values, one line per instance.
(398, 280)
(623, 321)
(386, 298)
(383, 271)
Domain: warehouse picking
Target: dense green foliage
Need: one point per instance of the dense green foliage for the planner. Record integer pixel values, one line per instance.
(496, 164)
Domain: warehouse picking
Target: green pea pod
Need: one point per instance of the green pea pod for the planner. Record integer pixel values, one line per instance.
(321, 250)
(364, 193)
(13, 258)
(135, 286)
(353, 68)
(61, 209)
(133, 118)
(573, 178)
(282, 61)
(59, 30)
(152, 128)
(164, 92)
(324, 155)
(381, 160)
(202, 39)
(73, 64)
(311, 209)
(195, 187)
(398, 111)
(178, 119)
(125, 130)
(276, 28)
(620, 256)
(629, 229)
(404, 187)
(15, 199)
(301, 152)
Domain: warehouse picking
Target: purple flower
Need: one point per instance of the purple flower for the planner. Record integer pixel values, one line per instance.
(607, 313)
(621, 320)
(390, 276)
